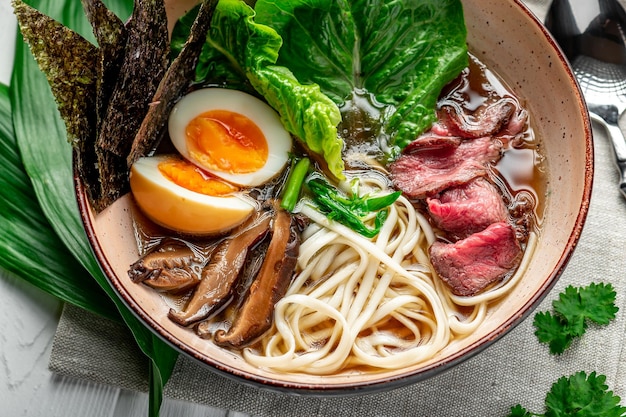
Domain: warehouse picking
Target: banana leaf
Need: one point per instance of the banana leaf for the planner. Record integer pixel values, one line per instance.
(47, 158)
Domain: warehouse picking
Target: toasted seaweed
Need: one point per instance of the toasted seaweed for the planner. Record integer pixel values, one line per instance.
(107, 27)
(69, 62)
(113, 178)
(110, 34)
(114, 97)
(145, 62)
(173, 84)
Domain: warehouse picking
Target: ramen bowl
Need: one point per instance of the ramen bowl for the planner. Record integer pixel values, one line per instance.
(511, 42)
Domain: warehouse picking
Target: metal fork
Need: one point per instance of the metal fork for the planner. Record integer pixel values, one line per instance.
(592, 35)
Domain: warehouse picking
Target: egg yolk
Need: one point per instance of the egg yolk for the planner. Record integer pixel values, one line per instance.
(188, 176)
(226, 141)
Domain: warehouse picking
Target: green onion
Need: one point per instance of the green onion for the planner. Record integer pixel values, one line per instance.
(293, 186)
(350, 210)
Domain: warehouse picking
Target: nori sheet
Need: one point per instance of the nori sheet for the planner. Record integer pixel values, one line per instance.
(111, 36)
(173, 85)
(114, 97)
(146, 58)
(69, 62)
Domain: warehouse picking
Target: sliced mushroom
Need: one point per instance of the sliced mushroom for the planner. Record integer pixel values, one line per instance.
(222, 271)
(172, 266)
(206, 328)
(255, 316)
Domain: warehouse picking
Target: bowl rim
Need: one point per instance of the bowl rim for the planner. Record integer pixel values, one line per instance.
(395, 381)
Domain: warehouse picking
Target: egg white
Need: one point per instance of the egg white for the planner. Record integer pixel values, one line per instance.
(182, 210)
(200, 101)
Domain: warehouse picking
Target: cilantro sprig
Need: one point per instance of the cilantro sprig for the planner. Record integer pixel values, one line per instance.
(578, 395)
(573, 311)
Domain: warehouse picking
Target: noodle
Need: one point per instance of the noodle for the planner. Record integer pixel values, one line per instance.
(368, 302)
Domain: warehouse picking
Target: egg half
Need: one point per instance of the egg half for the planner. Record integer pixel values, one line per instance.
(178, 196)
(230, 134)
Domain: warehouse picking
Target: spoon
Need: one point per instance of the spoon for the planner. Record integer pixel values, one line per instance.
(593, 38)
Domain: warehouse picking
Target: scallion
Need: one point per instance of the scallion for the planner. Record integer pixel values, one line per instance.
(350, 210)
(293, 186)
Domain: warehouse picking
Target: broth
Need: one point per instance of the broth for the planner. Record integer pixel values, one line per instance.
(518, 175)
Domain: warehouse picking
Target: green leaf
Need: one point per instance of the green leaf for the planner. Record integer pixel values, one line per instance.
(241, 53)
(29, 248)
(552, 330)
(599, 302)
(304, 110)
(47, 157)
(46, 153)
(578, 395)
(572, 310)
(519, 411)
(306, 58)
(582, 396)
(217, 63)
(402, 52)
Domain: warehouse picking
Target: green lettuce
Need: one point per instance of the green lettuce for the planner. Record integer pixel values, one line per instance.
(310, 58)
(240, 51)
(401, 52)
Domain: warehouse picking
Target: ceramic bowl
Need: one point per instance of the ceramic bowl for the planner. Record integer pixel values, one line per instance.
(512, 42)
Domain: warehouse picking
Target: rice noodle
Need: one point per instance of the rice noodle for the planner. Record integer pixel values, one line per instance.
(368, 302)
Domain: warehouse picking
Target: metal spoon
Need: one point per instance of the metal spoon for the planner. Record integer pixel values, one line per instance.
(592, 35)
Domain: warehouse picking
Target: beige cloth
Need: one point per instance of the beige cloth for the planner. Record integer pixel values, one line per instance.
(516, 369)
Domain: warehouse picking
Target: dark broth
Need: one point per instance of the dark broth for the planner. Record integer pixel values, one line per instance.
(519, 173)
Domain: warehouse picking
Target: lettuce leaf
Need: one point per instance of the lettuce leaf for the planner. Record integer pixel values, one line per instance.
(401, 52)
(391, 56)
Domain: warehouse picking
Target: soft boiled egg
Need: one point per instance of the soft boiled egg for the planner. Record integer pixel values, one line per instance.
(179, 196)
(230, 134)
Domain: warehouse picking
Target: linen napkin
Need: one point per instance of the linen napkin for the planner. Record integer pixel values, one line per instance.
(516, 369)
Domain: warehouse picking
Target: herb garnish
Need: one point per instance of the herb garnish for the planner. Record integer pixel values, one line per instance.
(572, 313)
(578, 395)
(350, 209)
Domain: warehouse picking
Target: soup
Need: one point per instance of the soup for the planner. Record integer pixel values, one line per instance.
(351, 302)
(318, 224)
